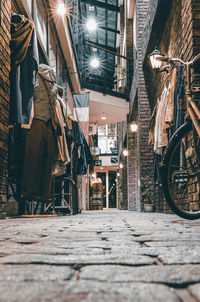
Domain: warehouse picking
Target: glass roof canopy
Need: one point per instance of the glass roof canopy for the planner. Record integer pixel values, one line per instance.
(100, 43)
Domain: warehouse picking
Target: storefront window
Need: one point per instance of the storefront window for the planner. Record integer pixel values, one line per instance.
(102, 176)
(107, 139)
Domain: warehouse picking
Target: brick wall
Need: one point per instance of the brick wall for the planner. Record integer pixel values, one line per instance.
(122, 171)
(129, 38)
(169, 42)
(176, 40)
(190, 28)
(140, 156)
(172, 26)
(132, 170)
(124, 186)
(5, 7)
(195, 25)
(178, 36)
(145, 155)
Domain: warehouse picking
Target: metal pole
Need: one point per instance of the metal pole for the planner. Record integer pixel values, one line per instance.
(107, 50)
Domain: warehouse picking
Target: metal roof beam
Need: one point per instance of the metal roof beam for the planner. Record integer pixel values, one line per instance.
(110, 29)
(102, 4)
(108, 50)
(101, 46)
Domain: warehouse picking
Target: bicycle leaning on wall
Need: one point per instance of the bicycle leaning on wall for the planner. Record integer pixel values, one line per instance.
(180, 167)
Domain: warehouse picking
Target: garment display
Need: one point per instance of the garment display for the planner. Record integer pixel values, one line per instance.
(42, 146)
(24, 68)
(36, 104)
(42, 107)
(69, 122)
(62, 155)
(166, 116)
(163, 115)
(38, 161)
(160, 133)
(81, 151)
(21, 31)
(86, 154)
(152, 125)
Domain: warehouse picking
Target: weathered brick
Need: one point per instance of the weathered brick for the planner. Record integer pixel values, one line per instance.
(5, 7)
(174, 27)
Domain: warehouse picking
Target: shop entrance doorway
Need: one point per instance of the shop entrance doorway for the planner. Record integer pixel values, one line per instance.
(108, 179)
(112, 189)
(102, 176)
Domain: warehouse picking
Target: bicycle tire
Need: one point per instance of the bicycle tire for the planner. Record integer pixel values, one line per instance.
(180, 174)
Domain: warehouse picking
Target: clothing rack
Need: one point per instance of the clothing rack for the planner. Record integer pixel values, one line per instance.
(63, 200)
(63, 194)
(67, 193)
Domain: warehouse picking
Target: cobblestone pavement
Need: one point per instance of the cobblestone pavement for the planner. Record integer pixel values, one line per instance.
(100, 256)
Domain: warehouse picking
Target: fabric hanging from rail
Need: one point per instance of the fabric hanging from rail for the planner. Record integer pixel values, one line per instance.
(81, 151)
(24, 68)
(81, 111)
(46, 140)
(163, 115)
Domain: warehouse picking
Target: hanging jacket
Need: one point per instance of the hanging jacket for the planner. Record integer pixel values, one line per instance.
(24, 69)
(21, 33)
(81, 151)
(47, 105)
(163, 114)
(63, 153)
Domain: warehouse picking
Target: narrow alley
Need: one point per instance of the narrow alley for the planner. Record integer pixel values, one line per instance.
(100, 150)
(100, 256)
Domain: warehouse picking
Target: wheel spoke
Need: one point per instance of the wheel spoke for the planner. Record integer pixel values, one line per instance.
(182, 174)
(183, 186)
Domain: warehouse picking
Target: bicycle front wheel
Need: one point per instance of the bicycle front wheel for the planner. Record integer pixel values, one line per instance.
(180, 173)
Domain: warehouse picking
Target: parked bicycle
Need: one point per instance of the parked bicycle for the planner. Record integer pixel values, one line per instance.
(180, 167)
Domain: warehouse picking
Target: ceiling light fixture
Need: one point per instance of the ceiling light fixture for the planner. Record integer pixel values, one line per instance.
(61, 9)
(134, 126)
(91, 24)
(125, 152)
(91, 8)
(94, 62)
(103, 118)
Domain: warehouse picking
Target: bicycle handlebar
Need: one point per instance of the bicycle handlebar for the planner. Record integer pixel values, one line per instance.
(196, 58)
(174, 60)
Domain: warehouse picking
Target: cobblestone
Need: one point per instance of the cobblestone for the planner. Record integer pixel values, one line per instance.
(100, 256)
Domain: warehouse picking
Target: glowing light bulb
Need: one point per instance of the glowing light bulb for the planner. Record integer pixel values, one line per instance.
(134, 127)
(91, 24)
(94, 62)
(61, 9)
(125, 152)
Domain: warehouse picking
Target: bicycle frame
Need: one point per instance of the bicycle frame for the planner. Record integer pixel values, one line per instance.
(192, 109)
(180, 166)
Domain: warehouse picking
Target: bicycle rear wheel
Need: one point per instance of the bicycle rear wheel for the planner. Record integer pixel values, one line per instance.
(180, 173)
